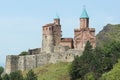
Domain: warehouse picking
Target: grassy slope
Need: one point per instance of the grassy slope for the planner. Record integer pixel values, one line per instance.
(58, 71)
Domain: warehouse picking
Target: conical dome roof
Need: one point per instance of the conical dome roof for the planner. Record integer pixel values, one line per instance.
(84, 14)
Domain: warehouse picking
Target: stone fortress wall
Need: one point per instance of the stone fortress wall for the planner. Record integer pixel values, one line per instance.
(63, 54)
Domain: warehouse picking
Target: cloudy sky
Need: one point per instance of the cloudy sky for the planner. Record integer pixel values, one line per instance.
(21, 21)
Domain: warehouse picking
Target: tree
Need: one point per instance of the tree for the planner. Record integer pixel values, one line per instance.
(1, 71)
(74, 71)
(23, 53)
(82, 65)
(17, 75)
(97, 61)
(5, 77)
(89, 76)
(114, 74)
(31, 75)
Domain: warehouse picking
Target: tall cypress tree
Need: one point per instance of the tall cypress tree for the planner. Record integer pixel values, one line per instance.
(81, 65)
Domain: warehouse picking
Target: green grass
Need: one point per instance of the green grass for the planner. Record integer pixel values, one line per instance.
(58, 71)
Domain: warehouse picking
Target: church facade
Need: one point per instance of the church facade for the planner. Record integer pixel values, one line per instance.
(84, 33)
(52, 35)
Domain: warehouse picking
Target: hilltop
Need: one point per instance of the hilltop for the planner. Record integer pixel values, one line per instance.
(109, 33)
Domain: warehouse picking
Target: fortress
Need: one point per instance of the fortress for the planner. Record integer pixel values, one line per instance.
(55, 48)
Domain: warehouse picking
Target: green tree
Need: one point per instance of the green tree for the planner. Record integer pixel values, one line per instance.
(31, 75)
(23, 53)
(114, 74)
(82, 65)
(5, 77)
(74, 71)
(1, 71)
(17, 75)
(89, 76)
(98, 60)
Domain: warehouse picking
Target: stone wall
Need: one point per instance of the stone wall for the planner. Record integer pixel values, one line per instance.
(11, 63)
(47, 43)
(28, 62)
(34, 51)
(21, 63)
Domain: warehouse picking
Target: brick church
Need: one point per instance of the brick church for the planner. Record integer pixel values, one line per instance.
(52, 36)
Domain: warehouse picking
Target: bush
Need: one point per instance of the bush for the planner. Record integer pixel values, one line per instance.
(5, 77)
(89, 76)
(23, 53)
(31, 75)
(17, 75)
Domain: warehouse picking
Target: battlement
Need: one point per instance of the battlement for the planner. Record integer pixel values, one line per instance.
(34, 51)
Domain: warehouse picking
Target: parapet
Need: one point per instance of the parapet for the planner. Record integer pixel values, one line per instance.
(34, 51)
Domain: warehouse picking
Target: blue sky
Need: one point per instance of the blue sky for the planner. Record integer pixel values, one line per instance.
(21, 21)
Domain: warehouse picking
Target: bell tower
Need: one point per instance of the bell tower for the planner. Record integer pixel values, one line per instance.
(84, 19)
(84, 33)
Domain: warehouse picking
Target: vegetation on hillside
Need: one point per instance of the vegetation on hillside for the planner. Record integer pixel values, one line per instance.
(1, 71)
(17, 75)
(31, 75)
(114, 74)
(58, 71)
(94, 62)
(108, 34)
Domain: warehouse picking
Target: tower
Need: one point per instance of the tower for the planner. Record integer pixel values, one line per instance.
(51, 35)
(84, 33)
(84, 19)
(57, 31)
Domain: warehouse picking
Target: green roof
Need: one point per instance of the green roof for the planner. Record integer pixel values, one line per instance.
(56, 17)
(84, 14)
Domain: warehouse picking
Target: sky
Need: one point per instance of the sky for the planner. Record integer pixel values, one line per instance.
(21, 21)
